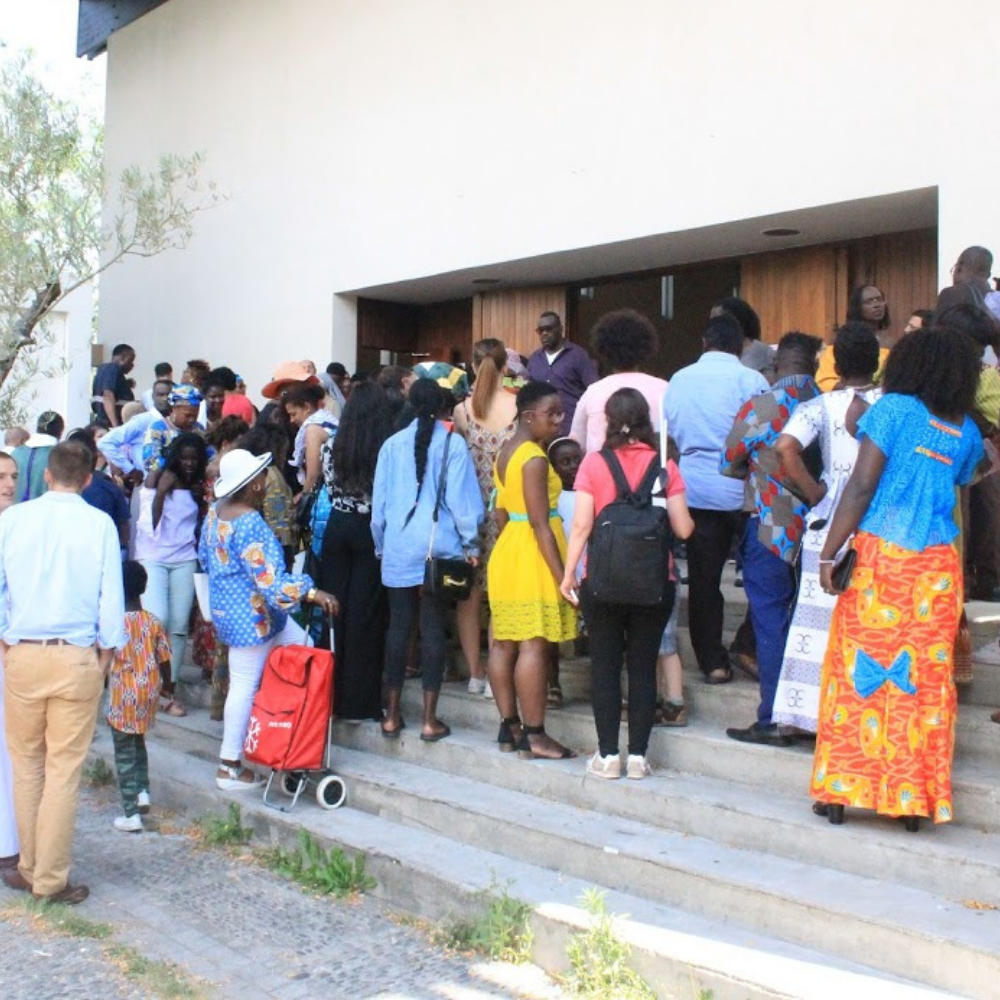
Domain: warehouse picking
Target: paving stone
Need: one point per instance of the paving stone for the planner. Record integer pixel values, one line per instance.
(241, 930)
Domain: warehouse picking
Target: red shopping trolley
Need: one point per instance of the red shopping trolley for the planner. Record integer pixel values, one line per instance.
(291, 725)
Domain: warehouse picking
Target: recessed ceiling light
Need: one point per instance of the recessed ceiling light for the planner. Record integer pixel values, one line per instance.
(486, 281)
(781, 231)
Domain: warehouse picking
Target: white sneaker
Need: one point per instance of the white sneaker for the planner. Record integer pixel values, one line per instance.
(143, 802)
(609, 767)
(129, 824)
(637, 767)
(477, 685)
(487, 690)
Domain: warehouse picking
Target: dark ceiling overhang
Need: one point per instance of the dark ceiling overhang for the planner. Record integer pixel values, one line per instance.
(98, 19)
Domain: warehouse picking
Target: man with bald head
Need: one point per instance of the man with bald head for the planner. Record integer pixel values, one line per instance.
(970, 280)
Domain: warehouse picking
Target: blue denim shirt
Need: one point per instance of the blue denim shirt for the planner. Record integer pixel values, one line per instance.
(699, 408)
(403, 550)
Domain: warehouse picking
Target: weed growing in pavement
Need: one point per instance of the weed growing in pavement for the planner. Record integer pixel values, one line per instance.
(159, 979)
(330, 872)
(225, 831)
(501, 932)
(97, 774)
(598, 959)
(65, 920)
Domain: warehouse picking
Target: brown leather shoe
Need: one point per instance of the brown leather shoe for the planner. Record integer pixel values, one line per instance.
(11, 861)
(69, 895)
(15, 880)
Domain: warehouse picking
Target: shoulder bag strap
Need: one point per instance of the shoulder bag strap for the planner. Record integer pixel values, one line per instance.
(440, 493)
(624, 491)
(27, 475)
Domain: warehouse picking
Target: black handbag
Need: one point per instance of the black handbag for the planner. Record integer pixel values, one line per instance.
(303, 516)
(840, 575)
(450, 579)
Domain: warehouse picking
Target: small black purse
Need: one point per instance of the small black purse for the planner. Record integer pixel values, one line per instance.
(450, 579)
(840, 575)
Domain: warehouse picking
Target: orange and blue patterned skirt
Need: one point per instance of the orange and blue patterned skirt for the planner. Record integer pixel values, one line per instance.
(886, 732)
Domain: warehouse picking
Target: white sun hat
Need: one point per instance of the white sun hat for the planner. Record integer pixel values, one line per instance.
(236, 469)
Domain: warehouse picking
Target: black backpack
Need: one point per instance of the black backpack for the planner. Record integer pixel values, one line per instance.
(629, 550)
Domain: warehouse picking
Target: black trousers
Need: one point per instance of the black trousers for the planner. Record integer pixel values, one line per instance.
(405, 604)
(981, 534)
(623, 632)
(350, 571)
(708, 549)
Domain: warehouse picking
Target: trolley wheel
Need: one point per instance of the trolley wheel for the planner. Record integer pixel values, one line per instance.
(290, 782)
(331, 792)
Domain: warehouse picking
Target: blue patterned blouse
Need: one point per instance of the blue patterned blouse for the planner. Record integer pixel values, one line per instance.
(250, 592)
(925, 459)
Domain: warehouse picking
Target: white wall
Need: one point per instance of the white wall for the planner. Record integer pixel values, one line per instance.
(367, 142)
(64, 377)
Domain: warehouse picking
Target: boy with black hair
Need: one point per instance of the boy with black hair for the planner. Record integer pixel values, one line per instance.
(135, 688)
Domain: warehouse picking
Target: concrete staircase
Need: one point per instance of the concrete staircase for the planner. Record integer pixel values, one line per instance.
(728, 880)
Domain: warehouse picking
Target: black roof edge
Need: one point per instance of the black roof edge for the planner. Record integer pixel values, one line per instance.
(97, 20)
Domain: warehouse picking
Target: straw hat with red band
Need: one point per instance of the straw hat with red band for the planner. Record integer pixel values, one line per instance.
(287, 373)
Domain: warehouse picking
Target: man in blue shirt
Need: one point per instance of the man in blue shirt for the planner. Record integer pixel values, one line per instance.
(698, 413)
(566, 366)
(111, 389)
(122, 446)
(773, 535)
(62, 615)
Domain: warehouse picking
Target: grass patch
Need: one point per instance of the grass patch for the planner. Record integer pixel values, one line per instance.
(160, 979)
(97, 774)
(501, 932)
(61, 919)
(598, 959)
(330, 872)
(225, 831)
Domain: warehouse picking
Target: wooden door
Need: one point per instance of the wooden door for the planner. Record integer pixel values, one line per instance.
(803, 289)
(511, 315)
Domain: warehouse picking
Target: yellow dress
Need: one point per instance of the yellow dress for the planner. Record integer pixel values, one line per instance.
(524, 600)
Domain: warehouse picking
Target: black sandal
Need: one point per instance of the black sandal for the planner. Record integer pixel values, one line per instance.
(392, 734)
(525, 751)
(833, 813)
(505, 738)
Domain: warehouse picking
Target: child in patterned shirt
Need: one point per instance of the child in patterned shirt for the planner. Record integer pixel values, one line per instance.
(135, 688)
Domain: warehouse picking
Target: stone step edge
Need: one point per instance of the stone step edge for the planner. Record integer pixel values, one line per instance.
(966, 771)
(671, 960)
(709, 791)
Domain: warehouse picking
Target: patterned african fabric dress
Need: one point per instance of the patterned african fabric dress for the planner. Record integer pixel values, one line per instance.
(484, 446)
(796, 701)
(524, 599)
(886, 730)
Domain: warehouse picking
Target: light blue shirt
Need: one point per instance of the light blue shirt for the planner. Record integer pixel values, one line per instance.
(699, 409)
(122, 445)
(61, 573)
(403, 549)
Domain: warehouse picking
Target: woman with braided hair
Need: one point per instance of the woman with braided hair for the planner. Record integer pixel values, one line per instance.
(410, 466)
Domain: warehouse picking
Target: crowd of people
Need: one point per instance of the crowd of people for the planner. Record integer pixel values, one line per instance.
(855, 483)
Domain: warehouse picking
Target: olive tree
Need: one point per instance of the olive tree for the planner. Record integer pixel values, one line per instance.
(54, 237)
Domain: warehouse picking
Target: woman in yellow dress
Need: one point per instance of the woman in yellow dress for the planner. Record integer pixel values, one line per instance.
(525, 571)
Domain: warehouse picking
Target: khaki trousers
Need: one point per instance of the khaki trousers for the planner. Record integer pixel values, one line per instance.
(52, 693)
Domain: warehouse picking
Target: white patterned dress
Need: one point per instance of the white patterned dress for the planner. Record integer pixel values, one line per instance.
(796, 702)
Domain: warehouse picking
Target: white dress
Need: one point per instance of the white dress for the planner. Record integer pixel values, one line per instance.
(796, 701)
(8, 826)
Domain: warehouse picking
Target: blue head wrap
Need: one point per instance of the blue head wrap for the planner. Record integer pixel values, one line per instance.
(184, 395)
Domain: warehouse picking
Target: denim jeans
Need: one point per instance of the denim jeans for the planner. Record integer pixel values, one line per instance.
(170, 596)
(769, 582)
(246, 665)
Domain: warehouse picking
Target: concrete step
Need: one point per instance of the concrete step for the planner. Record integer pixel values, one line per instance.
(702, 748)
(435, 877)
(954, 862)
(899, 929)
(735, 704)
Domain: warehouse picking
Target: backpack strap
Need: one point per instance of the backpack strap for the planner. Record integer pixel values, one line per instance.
(624, 491)
(644, 491)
